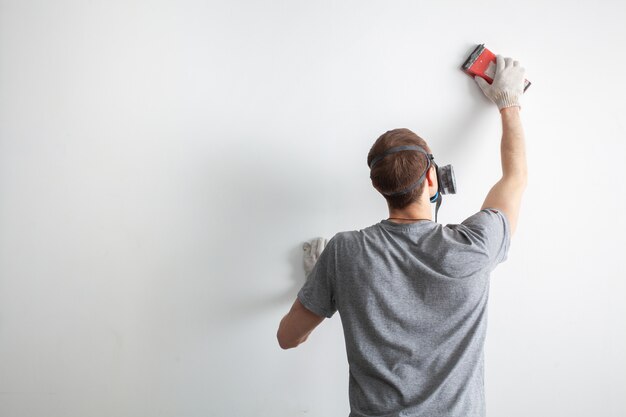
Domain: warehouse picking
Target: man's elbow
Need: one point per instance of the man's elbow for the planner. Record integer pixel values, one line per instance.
(285, 342)
(283, 336)
(284, 345)
(518, 181)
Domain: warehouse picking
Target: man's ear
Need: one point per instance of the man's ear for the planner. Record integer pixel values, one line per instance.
(431, 177)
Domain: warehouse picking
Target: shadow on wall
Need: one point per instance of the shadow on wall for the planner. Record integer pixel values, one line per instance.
(258, 213)
(254, 305)
(453, 141)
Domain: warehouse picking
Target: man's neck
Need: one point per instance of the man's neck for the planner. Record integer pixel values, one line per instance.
(410, 214)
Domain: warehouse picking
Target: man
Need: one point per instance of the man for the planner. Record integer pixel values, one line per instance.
(412, 293)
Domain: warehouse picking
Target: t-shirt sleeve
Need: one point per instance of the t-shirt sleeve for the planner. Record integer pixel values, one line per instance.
(489, 228)
(318, 293)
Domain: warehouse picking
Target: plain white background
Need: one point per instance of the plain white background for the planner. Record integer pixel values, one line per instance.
(161, 163)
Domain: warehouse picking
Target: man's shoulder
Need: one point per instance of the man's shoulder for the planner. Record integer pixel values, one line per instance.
(484, 218)
(349, 238)
(357, 234)
(485, 232)
(343, 237)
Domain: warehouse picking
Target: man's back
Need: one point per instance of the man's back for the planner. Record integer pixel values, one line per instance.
(414, 311)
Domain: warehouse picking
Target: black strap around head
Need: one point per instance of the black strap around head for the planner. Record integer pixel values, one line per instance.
(429, 158)
(398, 149)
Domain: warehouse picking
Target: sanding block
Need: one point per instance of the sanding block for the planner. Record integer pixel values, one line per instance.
(482, 62)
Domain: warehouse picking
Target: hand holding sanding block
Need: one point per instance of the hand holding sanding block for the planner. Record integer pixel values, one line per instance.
(482, 63)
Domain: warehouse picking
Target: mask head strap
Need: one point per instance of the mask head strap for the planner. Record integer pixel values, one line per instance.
(429, 158)
(436, 197)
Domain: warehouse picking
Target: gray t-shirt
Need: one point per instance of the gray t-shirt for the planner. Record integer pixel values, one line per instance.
(413, 305)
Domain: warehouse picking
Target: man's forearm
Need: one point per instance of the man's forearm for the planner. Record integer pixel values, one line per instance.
(513, 147)
(506, 194)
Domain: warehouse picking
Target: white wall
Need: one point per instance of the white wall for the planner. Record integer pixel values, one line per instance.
(161, 164)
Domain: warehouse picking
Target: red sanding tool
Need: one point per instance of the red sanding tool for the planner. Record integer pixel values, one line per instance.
(482, 62)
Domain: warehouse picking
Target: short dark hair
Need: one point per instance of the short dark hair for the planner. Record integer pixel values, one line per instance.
(398, 170)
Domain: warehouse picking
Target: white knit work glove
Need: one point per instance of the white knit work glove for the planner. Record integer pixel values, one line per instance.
(508, 83)
(312, 251)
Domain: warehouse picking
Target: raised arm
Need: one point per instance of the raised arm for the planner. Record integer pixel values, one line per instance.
(506, 91)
